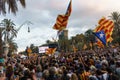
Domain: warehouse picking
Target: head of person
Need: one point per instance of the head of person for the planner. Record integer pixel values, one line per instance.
(52, 71)
(45, 74)
(74, 76)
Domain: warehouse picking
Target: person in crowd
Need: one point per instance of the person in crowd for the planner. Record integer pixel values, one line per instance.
(45, 75)
(117, 71)
(101, 64)
(111, 75)
(39, 72)
(74, 76)
(10, 72)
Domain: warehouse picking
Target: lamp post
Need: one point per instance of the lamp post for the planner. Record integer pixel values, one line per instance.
(26, 22)
(4, 43)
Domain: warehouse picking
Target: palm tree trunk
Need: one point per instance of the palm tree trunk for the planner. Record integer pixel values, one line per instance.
(1, 48)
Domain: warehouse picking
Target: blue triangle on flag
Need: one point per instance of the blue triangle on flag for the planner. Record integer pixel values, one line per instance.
(101, 35)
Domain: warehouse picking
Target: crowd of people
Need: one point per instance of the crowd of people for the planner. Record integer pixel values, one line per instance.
(97, 64)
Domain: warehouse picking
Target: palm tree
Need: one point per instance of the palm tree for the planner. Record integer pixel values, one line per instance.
(11, 4)
(9, 30)
(115, 16)
(12, 7)
(12, 46)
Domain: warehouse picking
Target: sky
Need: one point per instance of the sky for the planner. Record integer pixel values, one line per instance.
(42, 14)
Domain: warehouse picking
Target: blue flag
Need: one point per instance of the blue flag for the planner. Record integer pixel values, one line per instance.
(101, 35)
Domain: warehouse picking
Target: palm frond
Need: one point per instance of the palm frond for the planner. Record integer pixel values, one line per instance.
(12, 6)
(23, 3)
(2, 7)
(115, 16)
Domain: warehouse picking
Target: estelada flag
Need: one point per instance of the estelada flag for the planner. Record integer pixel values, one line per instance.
(99, 43)
(107, 26)
(101, 36)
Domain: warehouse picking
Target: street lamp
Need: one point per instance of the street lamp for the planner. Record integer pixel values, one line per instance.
(5, 45)
(26, 22)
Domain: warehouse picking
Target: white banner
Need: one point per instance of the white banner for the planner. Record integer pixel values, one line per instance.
(42, 49)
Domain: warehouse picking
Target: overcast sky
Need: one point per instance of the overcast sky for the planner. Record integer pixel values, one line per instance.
(43, 13)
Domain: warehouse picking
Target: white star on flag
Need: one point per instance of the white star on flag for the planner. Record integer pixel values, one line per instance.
(101, 35)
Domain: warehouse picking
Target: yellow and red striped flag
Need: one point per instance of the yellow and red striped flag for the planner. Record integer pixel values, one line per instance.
(107, 26)
(50, 51)
(85, 75)
(62, 20)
